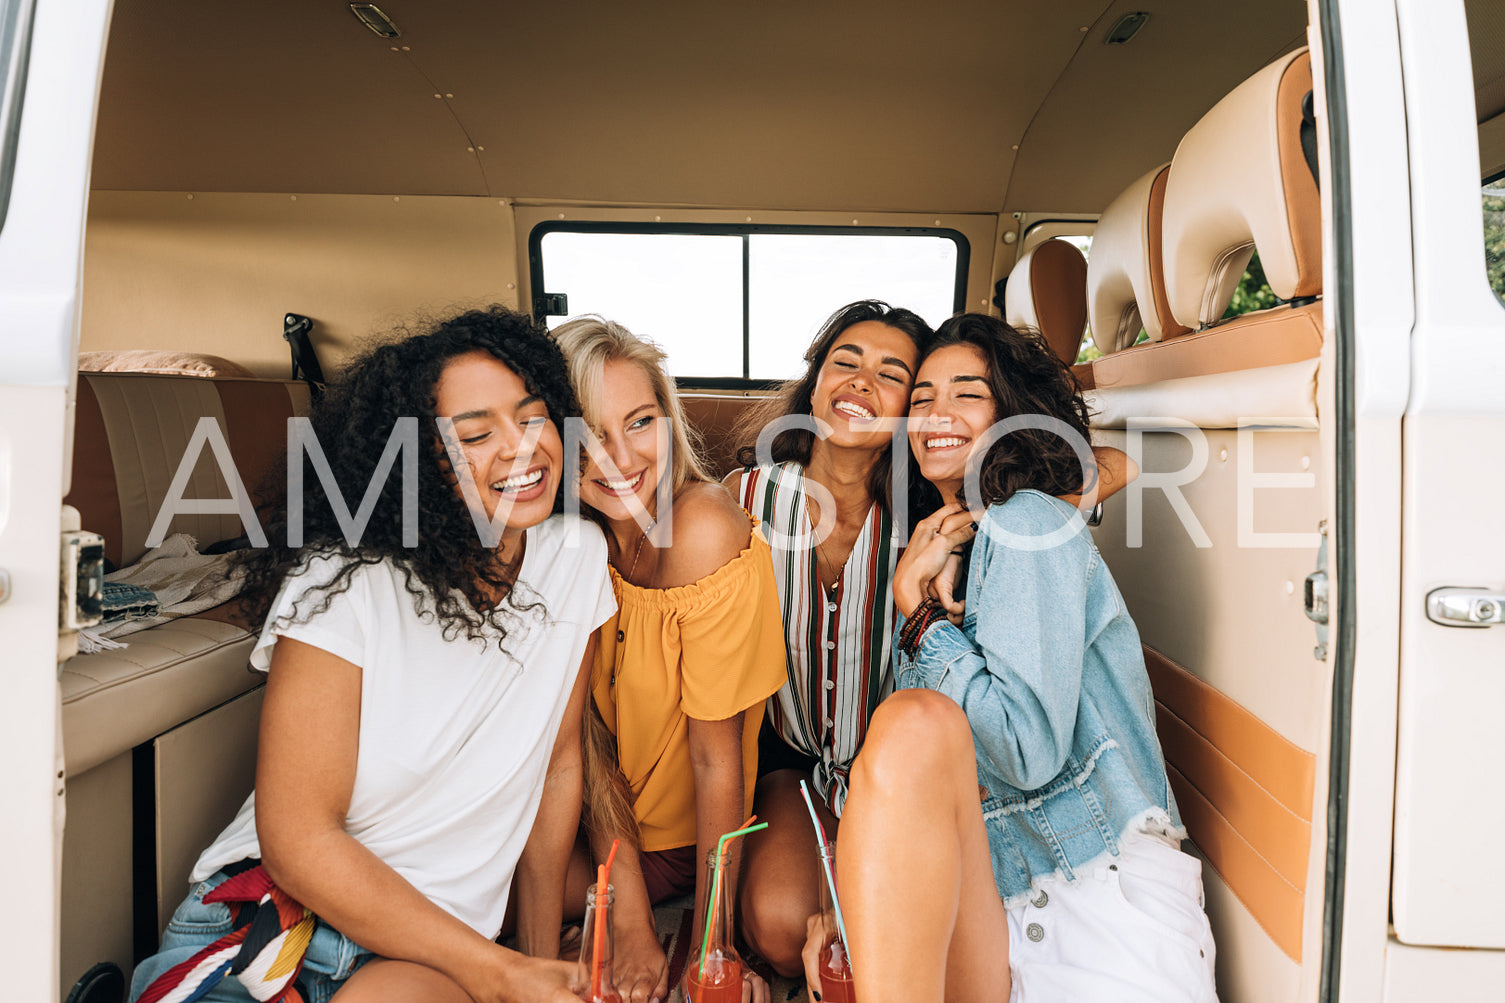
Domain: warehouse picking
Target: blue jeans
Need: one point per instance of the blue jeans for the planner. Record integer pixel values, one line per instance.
(331, 959)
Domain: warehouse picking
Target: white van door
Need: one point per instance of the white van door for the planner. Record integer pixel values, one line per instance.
(50, 58)
(1449, 810)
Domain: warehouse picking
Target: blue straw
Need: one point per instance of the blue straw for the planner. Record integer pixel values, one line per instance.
(825, 865)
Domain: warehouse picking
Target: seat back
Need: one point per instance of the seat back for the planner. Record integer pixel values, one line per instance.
(1047, 291)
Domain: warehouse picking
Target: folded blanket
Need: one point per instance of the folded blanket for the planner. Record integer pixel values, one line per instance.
(181, 580)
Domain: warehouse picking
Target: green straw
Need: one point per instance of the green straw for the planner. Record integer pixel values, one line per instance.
(825, 865)
(710, 907)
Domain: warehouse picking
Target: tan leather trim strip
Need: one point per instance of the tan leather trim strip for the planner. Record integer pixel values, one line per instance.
(1275, 904)
(1085, 376)
(1281, 768)
(1271, 337)
(256, 417)
(1303, 203)
(1276, 833)
(94, 491)
(1169, 326)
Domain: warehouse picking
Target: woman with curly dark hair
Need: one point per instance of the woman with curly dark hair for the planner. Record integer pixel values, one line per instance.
(428, 663)
(1010, 832)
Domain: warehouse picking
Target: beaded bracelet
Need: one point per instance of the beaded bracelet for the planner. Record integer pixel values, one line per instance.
(925, 615)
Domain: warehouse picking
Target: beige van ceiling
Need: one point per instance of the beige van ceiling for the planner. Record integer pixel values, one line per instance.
(882, 105)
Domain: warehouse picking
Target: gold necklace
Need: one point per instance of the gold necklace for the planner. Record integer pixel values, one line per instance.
(639, 551)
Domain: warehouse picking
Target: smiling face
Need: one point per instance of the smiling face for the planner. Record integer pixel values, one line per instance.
(866, 374)
(952, 396)
(509, 442)
(631, 437)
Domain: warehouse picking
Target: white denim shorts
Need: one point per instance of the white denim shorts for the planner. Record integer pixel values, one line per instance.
(1131, 929)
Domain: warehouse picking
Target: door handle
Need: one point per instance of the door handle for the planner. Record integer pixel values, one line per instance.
(1455, 607)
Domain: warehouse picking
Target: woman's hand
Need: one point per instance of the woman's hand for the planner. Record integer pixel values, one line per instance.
(754, 989)
(815, 939)
(527, 980)
(641, 972)
(932, 547)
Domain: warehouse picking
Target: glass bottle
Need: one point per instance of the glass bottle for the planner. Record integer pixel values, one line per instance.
(585, 970)
(835, 965)
(714, 975)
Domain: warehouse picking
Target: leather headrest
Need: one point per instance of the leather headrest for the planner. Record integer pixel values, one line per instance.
(1047, 291)
(1125, 273)
(1239, 181)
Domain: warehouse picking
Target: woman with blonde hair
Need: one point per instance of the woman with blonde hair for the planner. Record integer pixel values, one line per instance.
(683, 670)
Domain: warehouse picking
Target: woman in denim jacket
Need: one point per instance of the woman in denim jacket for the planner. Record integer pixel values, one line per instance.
(1010, 831)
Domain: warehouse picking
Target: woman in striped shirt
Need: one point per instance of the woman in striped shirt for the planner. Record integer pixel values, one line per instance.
(823, 494)
(821, 479)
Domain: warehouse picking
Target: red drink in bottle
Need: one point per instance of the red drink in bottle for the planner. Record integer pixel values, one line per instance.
(835, 973)
(720, 983)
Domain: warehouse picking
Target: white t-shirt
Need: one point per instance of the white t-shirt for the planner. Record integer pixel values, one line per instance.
(455, 738)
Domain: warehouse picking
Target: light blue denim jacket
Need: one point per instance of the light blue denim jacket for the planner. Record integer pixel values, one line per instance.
(1047, 665)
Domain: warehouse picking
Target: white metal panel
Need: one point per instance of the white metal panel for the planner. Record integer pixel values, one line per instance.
(1452, 681)
(1429, 974)
(40, 253)
(1376, 175)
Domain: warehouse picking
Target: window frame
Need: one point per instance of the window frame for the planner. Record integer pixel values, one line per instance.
(16, 18)
(745, 231)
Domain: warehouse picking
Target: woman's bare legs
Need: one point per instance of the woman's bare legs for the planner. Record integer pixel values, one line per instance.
(387, 981)
(922, 912)
(780, 868)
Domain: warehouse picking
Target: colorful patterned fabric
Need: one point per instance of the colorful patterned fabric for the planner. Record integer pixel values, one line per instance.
(264, 952)
(837, 642)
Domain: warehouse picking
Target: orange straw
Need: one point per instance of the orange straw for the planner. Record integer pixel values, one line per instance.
(599, 928)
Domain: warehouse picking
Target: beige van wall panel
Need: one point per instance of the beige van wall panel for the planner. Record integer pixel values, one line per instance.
(1250, 967)
(96, 902)
(216, 272)
(205, 769)
(1232, 615)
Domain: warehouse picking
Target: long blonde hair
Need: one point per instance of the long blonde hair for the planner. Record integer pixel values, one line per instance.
(589, 343)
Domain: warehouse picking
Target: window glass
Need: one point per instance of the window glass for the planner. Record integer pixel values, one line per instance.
(735, 303)
(797, 280)
(683, 291)
(1493, 200)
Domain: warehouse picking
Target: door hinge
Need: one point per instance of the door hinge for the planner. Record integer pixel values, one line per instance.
(1315, 596)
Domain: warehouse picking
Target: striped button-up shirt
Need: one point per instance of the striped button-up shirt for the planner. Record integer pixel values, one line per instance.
(837, 638)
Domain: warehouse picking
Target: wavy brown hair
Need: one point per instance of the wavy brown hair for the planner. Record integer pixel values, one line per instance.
(794, 396)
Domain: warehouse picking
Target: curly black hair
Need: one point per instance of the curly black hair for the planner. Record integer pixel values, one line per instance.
(1026, 377)
(451, 574)
(795, 396)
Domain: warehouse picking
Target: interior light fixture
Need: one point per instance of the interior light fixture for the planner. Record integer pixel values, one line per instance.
(1127, 27)
(374, 18)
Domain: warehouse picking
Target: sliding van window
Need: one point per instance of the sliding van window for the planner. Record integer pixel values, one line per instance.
(737, 305)
(15, 45)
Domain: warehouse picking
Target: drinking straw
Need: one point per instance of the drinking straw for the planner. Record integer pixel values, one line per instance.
(598, 928)
(825, 863)
(710, 911)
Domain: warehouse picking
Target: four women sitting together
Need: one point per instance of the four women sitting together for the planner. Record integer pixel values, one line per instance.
(457, 728)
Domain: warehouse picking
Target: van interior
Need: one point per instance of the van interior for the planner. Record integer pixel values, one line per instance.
(255, 166)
